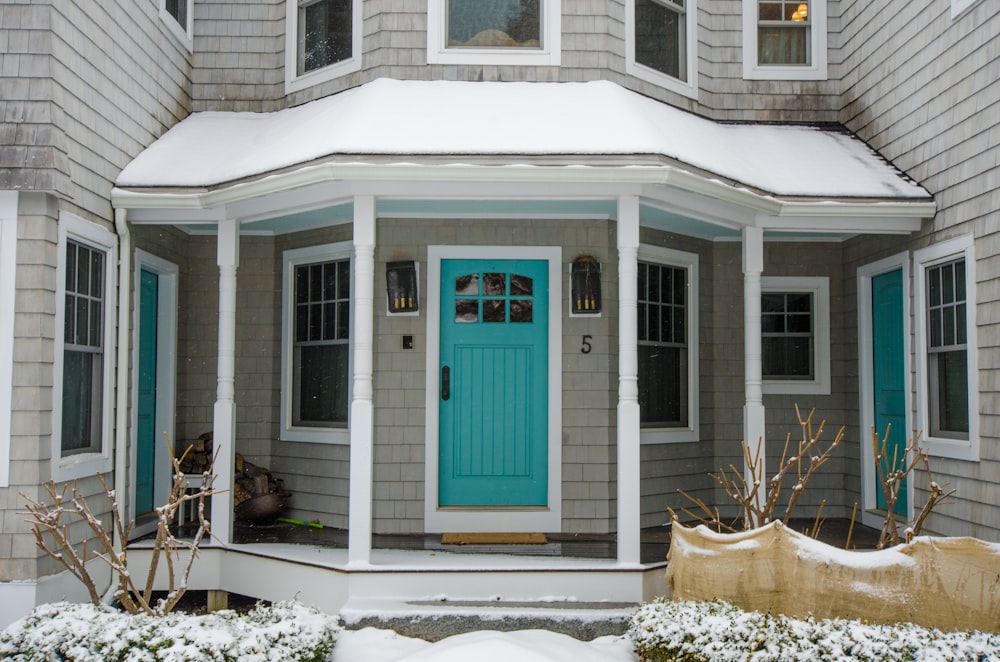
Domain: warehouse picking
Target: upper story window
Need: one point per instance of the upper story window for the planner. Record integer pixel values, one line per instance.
(661, 43)
(784, 39)
(667, 344)
(493, 32)
(947, 364)
(795, 335)
(178, 16)
(323, 41)
(84, 360)
(316, 329)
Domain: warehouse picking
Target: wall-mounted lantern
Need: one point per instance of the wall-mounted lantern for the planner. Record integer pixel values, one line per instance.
(585, 286)
(401, 287)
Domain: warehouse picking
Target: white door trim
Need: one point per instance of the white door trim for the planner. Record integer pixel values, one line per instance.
(437, 520)
(866, 380)
(166, 377)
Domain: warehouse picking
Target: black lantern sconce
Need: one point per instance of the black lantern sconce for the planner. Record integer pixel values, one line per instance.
(585, 285)
(401, 287)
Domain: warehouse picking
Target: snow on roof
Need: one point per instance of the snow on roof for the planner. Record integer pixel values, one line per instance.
(449, 118)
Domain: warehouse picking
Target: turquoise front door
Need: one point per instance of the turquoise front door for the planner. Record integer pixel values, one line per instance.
(146, 392)
(889, 371)
(493, 441)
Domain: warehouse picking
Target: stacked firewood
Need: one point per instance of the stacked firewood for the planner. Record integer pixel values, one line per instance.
(249, 479)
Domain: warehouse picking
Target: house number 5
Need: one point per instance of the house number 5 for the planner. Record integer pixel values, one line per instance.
(585, 347)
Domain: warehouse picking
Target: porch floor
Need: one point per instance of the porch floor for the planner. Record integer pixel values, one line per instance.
(654, 541)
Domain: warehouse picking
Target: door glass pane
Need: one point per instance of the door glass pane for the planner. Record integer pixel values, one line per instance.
(494, 310)
(466, 310)
(468, 284)
(520, 310)
(520, 285)
(494, 283)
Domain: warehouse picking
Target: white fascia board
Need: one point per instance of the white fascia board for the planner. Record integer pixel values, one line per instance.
(342, 180)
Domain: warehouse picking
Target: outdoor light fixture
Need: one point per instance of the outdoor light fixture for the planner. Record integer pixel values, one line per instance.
(401, 287)
(585, 279)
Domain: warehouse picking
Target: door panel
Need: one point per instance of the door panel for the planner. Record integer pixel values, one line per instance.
(888, 370)
(494, 389)
(146, 393)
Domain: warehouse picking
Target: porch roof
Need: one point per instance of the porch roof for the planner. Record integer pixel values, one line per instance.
(449, 123)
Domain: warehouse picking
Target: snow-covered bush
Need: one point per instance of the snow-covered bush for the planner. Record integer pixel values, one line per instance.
(89, 633)
(681, 631)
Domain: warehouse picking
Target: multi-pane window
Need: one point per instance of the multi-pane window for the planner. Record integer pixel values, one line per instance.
(320, 350)
(783, 32)
(325, 33)
(947, 360)
(663, 345)
(494, 24)
(83, 349)
(661, 36)
(787, 336)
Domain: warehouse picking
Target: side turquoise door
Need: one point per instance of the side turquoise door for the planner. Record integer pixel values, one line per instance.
(889, 370)
(493, 380)
(146, 392)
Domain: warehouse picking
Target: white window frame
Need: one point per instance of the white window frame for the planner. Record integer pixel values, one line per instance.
(290, 260)
(946, 251)
(295, 81)
(819, 287)
(8, 291)
(184, 33)
(549, 55)
(817, 70)
(688, 88)
(669, 257)
(79, 465)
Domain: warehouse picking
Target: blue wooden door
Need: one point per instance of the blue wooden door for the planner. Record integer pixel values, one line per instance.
(146, 392)
(888, 370)
(493, 396)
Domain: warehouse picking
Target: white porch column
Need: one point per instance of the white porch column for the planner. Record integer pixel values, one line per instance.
(359, 538)
(224, 422)
(628, 380)
(753, 408)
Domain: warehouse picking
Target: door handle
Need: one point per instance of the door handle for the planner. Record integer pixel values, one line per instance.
(445, 383)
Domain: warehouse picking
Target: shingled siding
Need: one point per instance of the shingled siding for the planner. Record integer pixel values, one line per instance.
(921, 87)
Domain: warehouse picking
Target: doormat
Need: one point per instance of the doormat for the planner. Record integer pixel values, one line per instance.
(493, 539)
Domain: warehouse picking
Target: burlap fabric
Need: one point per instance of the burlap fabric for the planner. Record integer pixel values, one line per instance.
(947, 583)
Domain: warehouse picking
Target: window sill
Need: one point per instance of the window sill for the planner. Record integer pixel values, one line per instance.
(955, 449)
(82, 465)
(668, 436)
(775, 387)
(538, 58)
(335, 436)
(762, 72)
(660, 79)
(297, 82)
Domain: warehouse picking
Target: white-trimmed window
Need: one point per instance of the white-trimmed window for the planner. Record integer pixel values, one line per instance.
(668, 344)
(784, 40)
(519, 32)
(322, 41)
(947, 393)
(85, 342)
(795, 334)
(178, 16)
(661, 43)
(316, 346)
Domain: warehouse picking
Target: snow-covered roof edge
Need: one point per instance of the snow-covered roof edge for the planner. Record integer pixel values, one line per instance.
(388, 118)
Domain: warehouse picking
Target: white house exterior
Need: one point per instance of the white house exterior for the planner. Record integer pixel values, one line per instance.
(204, 207)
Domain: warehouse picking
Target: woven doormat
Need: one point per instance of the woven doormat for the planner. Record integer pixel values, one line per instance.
(493, 539)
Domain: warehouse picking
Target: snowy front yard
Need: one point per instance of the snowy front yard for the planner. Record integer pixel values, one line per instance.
(663, 631)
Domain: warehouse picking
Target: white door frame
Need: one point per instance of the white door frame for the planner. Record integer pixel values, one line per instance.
(493, 519)
(166, 377)
(866, 386)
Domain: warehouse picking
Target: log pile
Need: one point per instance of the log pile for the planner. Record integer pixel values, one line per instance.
(249, 479)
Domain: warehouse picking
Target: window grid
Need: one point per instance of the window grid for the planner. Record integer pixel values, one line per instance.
(661, 36)
(663, 350)
(947, 359)
(787, 335)
(325, 33)
(783, 32)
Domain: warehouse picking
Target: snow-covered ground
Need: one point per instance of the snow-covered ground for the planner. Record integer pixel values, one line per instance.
(371, 645)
